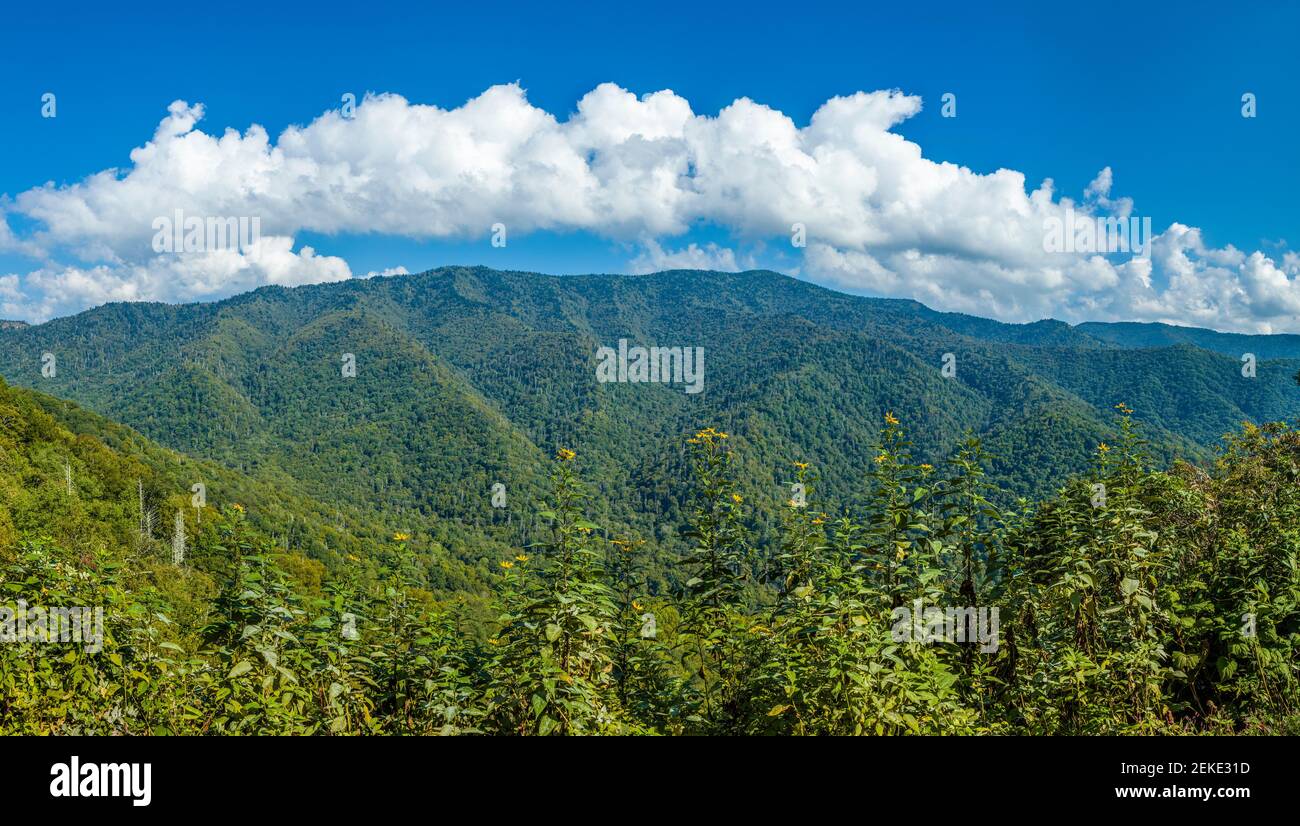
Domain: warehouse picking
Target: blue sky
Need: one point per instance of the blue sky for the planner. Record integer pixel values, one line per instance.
(1052, 91)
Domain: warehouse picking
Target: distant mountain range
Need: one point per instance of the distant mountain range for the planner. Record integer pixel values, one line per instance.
(470, 377)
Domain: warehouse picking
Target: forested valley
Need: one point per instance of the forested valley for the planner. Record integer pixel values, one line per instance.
(875, 519)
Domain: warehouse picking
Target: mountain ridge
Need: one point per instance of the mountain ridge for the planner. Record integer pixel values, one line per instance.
(1123, 334)
(468, 377)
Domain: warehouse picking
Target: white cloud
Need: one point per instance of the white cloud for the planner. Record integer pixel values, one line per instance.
(1098, 192)
(386, 272)
(880, 216)
(59, 290)
(692, 257)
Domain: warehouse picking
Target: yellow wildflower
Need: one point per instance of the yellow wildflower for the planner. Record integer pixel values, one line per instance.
(564, 454)
(737, 498)
(507, 564)
(636, 606)
(522, 557)
(401, 537)
(237, 507)
(707, 436)
(927, 468)
(884, 457)
(890, 419)
(1103, 447)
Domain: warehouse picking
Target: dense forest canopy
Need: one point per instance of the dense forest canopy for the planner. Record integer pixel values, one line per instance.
(463, 379)
(471, 535)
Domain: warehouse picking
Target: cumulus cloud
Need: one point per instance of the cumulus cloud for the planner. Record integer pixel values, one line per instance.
(691, 257)
(56, 290)
(387, 272)
(879, 216)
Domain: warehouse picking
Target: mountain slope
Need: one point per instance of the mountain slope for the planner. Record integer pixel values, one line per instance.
(1131, 334)
(469, 377)
(96, 487)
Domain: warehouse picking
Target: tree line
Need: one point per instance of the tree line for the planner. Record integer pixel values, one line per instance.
(1134, 601)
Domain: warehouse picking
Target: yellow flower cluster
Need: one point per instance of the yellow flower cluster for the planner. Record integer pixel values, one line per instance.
(564, 454)
(707, 436)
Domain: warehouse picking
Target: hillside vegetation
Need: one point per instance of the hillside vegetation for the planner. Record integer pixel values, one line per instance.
(1133, 600)
(469, 378)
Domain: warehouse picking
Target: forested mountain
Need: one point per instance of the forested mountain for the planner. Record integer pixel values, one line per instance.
(656, 561)
(96, 487)
(1132, 601)
(466, 378)
(1132, 334)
